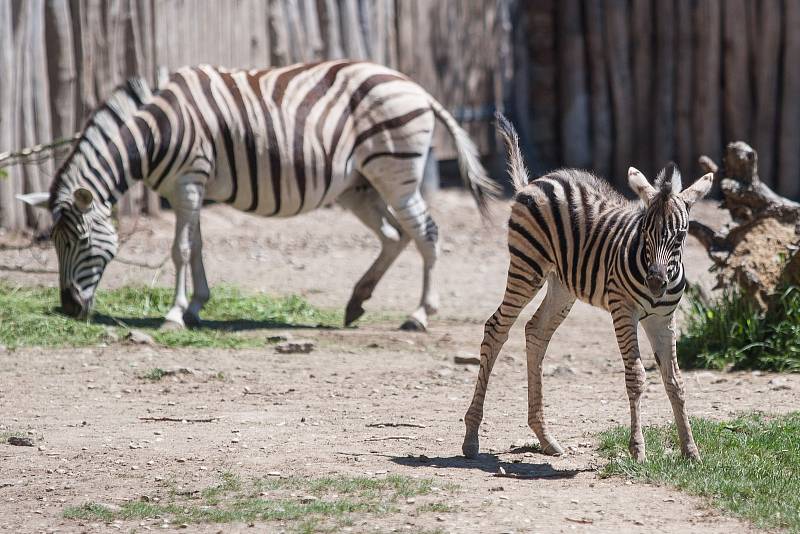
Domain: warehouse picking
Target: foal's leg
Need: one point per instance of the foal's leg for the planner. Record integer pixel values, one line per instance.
(186, 201)
(538, 332)
(520, 290)
(625, 323)
(661, 332)
(371, 209)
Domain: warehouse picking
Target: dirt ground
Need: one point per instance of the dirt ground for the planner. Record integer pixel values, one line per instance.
(309, 414)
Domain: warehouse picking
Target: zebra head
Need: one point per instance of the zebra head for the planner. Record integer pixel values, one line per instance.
(665, 223)
(85, 240)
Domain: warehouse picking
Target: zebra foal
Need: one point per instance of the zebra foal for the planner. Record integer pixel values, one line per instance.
(573, 231)
(274, 142)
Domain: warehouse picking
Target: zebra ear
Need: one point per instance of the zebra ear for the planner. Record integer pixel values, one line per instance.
(641, 186)
(83, 199)
(37, 200)
(698, 190)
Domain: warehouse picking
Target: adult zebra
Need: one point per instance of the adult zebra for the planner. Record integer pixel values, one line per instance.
(587, 242)
(274, 142)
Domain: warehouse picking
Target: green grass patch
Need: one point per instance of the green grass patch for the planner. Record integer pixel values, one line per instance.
(231, 319)
(732, 333)
(304, 505)
(750, 466)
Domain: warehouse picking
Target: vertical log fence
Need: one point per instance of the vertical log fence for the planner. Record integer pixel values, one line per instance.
(601, 84)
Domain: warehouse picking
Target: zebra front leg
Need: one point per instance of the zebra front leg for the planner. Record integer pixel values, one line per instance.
(661, 332)
(186, 201)
(520, 289)
(538, 332)
(625, 323)
(200, 290)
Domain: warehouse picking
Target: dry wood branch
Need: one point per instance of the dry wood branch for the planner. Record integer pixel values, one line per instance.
(395, 425)
(386, 438)
(180, 420)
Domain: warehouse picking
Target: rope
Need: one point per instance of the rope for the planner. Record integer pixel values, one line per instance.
(36, 153)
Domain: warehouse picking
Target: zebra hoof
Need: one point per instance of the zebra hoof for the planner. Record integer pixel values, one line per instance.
(552, 448)
(470, 448)
(191, 320)
(172, 325)
(412, 325)
(352, 312)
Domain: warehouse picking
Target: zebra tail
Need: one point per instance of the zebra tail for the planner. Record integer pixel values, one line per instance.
(472, 172)
(516, 165)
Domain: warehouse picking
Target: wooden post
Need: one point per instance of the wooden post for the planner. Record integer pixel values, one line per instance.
(766, 70)
(684, 88)
(9, 206)
(737, 91)
(574, 101)
(788, 181)
(706, 86)
(617, 44)
(600, 108)
(642, 51)
(663, 116)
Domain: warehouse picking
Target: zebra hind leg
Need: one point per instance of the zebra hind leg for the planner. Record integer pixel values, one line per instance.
(370, 208)
(538, 332)
(520, 290)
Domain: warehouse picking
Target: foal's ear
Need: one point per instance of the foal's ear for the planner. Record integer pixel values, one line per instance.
(697, 190)
(641, 186)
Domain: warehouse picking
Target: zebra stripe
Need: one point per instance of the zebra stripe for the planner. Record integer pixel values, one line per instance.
(573, 231)
(274, 142)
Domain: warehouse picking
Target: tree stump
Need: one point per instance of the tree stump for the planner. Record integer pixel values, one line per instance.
(757, 253)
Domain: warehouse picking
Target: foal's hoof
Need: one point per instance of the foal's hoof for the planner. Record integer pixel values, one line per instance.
(413, 325)
(551, 448)
(470, 448)
(352, 312)
(172, 326)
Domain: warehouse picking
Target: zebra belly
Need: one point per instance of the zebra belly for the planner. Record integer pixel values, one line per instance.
(316, 193)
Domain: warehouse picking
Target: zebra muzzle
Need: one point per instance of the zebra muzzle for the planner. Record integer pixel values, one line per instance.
(73, 305)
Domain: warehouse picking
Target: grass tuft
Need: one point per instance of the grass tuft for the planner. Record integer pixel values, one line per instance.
(334, 501)
(732, 332)
(29, 317)
(750, 466)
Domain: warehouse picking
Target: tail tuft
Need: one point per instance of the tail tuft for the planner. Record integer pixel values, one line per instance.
(472, 172)
(516, 165)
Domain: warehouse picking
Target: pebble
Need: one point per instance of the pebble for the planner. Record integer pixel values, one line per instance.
(298, 346)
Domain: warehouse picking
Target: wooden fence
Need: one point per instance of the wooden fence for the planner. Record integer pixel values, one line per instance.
(60, 58)
(605, 84)
(600, 84)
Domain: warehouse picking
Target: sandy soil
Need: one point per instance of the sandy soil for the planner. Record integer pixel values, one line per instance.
(308, 415)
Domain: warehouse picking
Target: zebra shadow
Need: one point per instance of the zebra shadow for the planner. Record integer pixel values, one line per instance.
(230, 325)
(490, 463)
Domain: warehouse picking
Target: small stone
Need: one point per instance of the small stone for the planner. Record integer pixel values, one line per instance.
(19, 441)
(279, 338)
(274, 474)
(138, 337)
(778, 384)
(467, 360)
(295, 347)
(410, 500)
(181, 460)
(305, 499)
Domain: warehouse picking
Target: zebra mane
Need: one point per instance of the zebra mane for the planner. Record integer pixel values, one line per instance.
(103, 124)
(668, 181)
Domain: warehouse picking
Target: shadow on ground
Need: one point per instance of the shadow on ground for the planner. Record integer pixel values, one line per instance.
(231, 325)
(490, 463)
